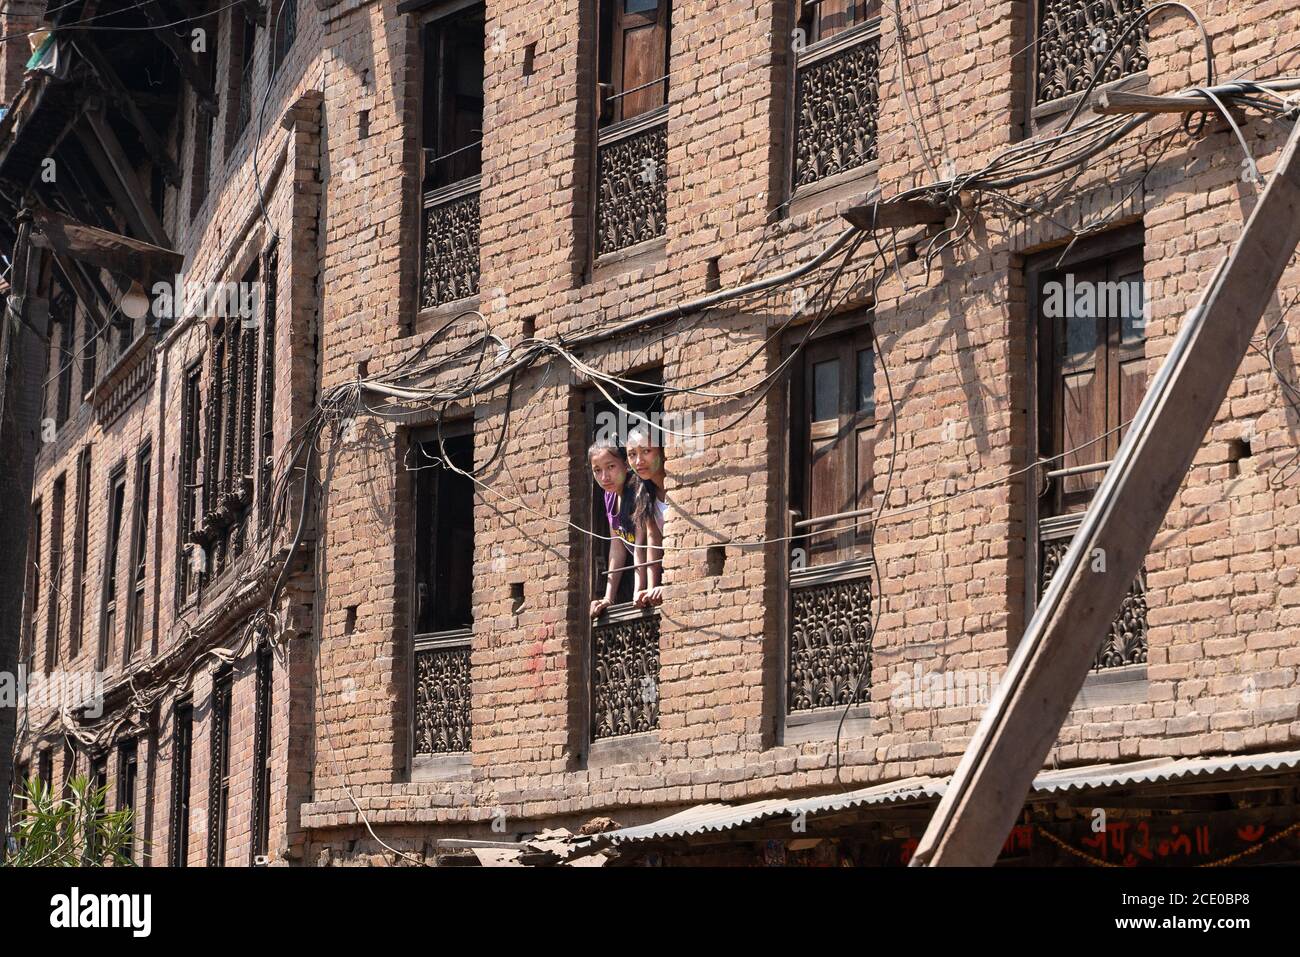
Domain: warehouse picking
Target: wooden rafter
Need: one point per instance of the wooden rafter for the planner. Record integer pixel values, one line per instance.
(110, 161)
(194, 74)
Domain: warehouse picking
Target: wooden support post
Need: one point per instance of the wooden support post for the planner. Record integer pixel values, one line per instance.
(1025, 716)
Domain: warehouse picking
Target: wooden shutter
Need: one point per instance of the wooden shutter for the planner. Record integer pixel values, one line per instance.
(640, 55)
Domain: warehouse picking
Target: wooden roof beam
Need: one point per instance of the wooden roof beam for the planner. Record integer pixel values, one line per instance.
(193, 73)
(65, 236)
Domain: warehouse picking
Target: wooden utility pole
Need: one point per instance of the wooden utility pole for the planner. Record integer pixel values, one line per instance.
(23, 342)
(1048, 668)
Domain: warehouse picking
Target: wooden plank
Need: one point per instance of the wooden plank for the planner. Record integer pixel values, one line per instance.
(121, 254)
(1048, 668)
(897, 214)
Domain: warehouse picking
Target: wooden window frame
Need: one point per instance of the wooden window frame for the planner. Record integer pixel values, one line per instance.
(182, 782)
(452, 640)
(1113, 684)
(455, 195)
(816, 50)
(190, 484)
(80, 553)
(110, 592)
(134, 639)
(1047, 117)
(219, 741)
(54, 615)
(262, 726)
(844, 335)
(128, 769)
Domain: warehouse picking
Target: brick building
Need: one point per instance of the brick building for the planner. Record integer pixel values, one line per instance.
(335, 563)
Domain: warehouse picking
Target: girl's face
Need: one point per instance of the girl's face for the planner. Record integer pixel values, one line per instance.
(645, 460)
(609, 470)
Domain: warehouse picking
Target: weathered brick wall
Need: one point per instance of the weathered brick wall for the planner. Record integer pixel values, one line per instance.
(954, 340)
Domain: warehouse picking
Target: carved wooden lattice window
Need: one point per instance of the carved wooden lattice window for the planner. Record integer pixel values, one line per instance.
(1091, 377)
(219, 769)
(1073, 37)
(178, 847)
(443, 590)
(113, 540)
(631, 194)
(624, 666)
(836, 101)
(139, 554)
(99, 782)
(451, 144)
(831, 474)
(77, 591)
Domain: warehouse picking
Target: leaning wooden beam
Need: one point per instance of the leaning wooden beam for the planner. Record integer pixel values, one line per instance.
(110, 162)
(125, 102)
(65, 236)
(897, 214)
(1048, 668)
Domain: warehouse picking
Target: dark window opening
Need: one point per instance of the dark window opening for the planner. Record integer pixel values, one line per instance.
(444, 533)
(112, 539)
(219, 769)
(262, 754)
(285, 26)
(823, 19)
(139, 555)
(77, 592)
(1090, 372)
(178, 850)
(453, 98)
(54, 615)
(127, 768)
(244, 41)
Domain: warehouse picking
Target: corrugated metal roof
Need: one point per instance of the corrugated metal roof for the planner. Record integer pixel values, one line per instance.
(705, 818)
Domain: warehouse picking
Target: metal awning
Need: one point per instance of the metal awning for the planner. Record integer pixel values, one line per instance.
(715, 818)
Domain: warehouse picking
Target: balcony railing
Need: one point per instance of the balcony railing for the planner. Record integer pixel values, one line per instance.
(449, 262)
(1074, 36)
(442, 693)
(1125, 642)
(837, 104)
(632, 182)
(829, 648)
(624, 672)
